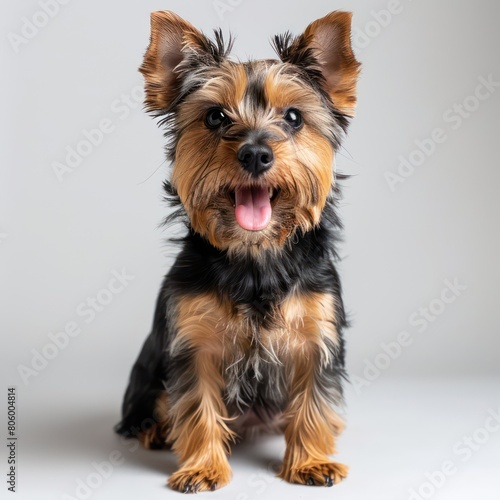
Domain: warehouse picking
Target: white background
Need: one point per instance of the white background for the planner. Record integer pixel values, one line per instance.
(62, 238)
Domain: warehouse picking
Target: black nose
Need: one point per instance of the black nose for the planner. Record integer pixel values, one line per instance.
(256, 158)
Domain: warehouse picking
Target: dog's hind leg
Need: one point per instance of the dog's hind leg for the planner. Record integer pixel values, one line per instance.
(143, 392)
(154, 437)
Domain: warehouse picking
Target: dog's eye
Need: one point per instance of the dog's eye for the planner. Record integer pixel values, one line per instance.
(216, 118)
(294, 118)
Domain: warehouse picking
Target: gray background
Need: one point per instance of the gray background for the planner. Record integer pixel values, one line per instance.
(60, 241)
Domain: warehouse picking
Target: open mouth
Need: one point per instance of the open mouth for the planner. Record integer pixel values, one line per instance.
(253, 206)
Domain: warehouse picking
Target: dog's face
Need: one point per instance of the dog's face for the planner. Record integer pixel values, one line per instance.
(253, 143)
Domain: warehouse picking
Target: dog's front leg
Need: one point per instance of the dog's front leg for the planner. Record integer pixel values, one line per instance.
(198, 432)
(314, 385)
(310, 433)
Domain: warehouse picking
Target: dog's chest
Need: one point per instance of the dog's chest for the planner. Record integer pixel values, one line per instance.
(255, 357)
(257, 345)
(260, 349)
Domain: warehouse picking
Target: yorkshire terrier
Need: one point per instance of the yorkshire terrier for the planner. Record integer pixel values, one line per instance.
(248, 326)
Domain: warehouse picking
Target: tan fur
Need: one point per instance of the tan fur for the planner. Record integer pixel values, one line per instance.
(169, 34)
(331, 38)
(201, 430)
(198, 428)
(223, 338)
(205, 170)
(310, 320)
(312, 422)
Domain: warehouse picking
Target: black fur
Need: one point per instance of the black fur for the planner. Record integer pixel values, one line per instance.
(306, 263)
(255, 93)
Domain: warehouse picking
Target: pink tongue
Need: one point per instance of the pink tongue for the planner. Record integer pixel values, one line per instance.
(253, 208)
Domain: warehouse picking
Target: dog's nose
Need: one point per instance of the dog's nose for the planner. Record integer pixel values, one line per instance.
(256, 158)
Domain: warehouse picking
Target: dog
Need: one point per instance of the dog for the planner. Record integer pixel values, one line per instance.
(247, 332)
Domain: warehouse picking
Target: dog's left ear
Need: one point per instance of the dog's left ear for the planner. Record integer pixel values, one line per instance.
(325, 45)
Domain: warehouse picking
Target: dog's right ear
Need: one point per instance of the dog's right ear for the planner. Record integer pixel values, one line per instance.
(175, 47)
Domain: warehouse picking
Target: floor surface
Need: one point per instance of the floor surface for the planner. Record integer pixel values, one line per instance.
(405, 440)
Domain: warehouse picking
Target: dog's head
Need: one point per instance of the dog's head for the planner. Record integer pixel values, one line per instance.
(252, 144)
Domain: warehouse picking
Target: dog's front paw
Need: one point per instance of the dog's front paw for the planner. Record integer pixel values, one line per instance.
(192, 481)
(319, 474)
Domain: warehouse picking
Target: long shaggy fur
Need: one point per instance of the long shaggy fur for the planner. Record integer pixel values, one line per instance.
(247, 332)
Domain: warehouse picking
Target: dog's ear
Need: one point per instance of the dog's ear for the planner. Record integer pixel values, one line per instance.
(175, 48)
(325, 46)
